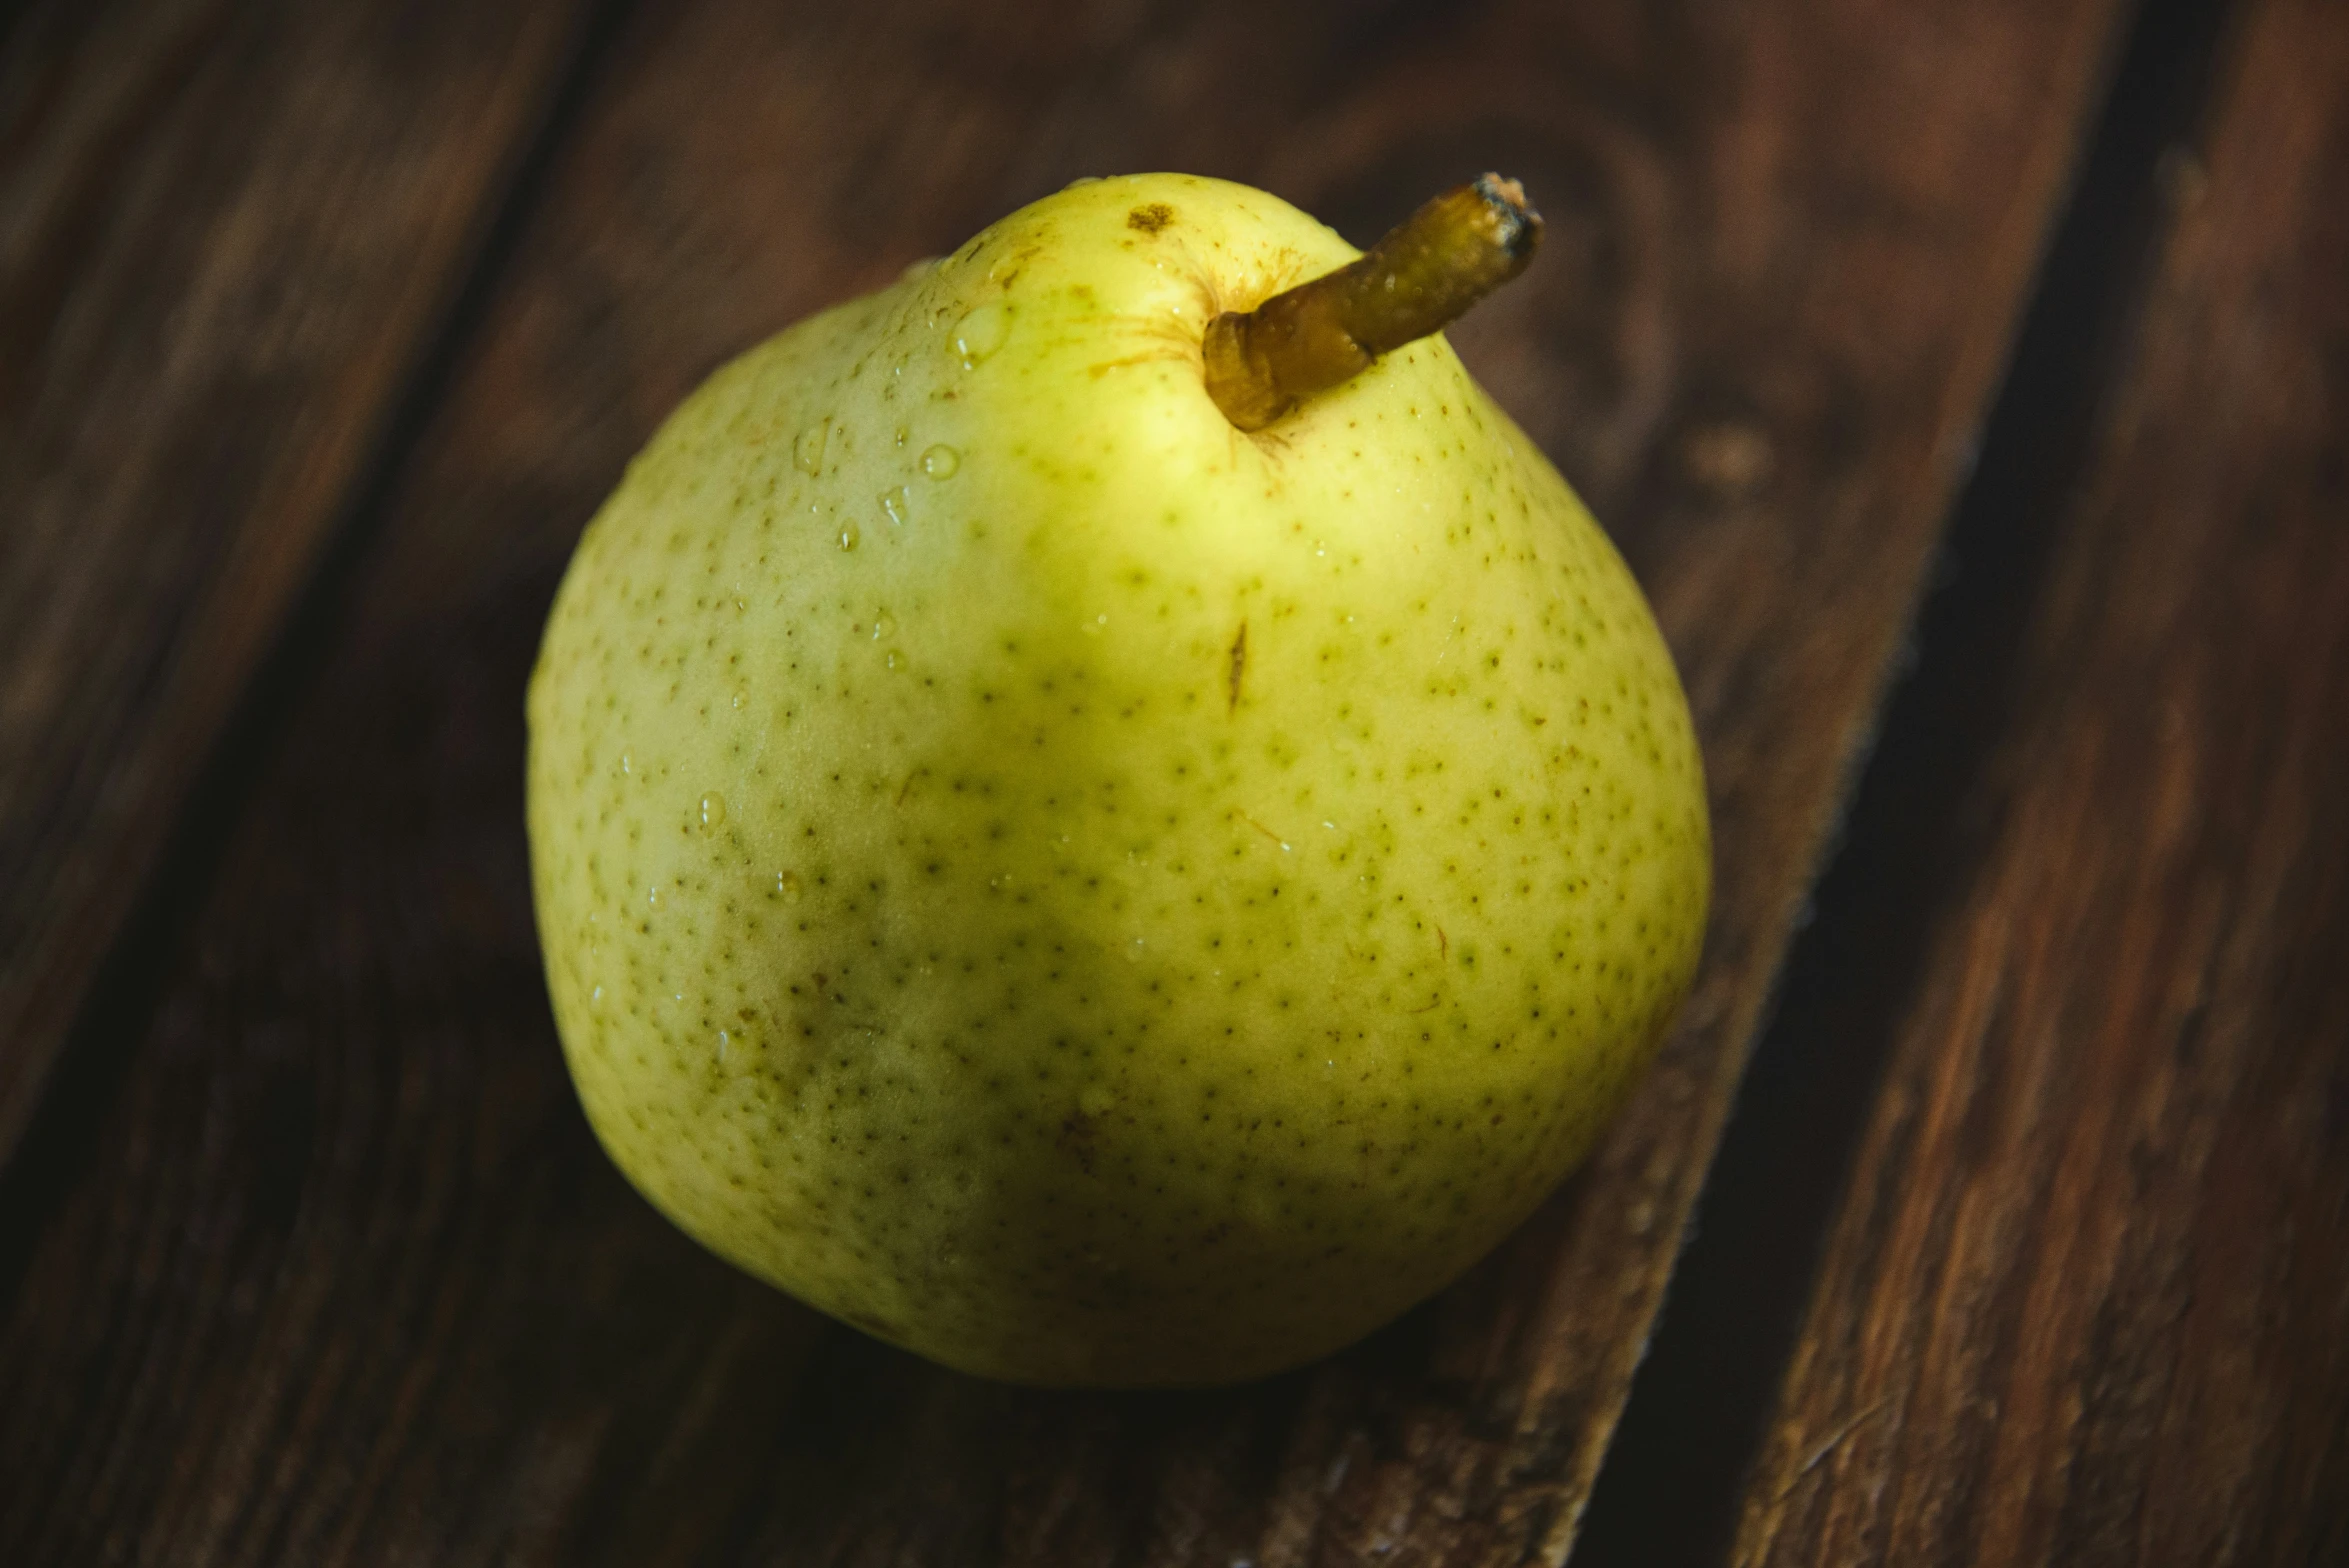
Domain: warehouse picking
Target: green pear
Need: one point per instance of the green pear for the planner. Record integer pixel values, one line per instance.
(1075, 889)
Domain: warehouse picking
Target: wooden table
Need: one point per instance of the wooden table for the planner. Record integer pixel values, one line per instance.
(1968, 383)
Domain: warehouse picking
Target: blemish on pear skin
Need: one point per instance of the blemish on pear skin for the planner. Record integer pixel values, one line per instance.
(1261, 828)
(1239, 668)
(1150, 217)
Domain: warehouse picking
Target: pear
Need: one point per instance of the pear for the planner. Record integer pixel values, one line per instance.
(1087, 886)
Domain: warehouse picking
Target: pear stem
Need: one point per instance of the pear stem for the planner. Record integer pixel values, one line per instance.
(1419, 279)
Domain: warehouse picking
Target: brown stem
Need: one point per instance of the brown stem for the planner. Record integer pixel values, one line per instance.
(1419, 279)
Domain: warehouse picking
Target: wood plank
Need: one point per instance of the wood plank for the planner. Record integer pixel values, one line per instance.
(352, 1281)
(2086, 1299)
(226, 233)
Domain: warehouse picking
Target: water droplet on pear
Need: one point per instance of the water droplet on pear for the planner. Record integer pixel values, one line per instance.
(808, 451)
(981, 333)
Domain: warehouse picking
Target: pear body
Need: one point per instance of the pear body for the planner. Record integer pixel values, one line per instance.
(1082, 893)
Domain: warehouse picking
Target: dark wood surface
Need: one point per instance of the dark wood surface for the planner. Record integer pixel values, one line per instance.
(226, 234)
(2087, 1294)
(309, 1255)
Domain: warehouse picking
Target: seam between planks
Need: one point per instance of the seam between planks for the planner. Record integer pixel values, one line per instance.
(1722, 1340)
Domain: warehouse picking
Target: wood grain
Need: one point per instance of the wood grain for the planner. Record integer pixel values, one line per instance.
(226, 232)
(2087, 1297)
(351, 1282)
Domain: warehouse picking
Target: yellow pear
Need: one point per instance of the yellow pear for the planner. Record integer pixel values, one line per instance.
(1082, 890)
